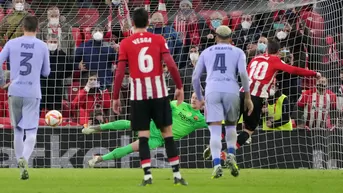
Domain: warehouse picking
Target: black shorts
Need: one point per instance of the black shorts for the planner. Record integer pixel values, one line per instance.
(143, 111)
(252, 121)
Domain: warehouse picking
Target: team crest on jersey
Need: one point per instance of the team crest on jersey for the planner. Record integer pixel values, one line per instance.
(189, 114)
(196, 118)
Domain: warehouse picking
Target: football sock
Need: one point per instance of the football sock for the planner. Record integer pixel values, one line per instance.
(242, 138)
(29, 143)
(18, 142)
(118, 153)
(144, 154)
(231, 139)
(215, 143)
(116, 125)
(173, 157)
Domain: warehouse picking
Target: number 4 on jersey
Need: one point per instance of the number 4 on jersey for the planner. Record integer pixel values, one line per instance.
(219, 63)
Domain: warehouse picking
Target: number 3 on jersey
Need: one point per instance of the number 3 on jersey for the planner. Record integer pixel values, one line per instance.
(145, 61)
(25, 63)
(219, 63)
(258, 70)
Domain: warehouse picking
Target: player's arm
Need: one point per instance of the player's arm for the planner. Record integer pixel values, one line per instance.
(242, 70)
(4, 54)
(169, 61)
(46, 63)
(199, 68)
(285, 114)
(295, 70)
(120, 71)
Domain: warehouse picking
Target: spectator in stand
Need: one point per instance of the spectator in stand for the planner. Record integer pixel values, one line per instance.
(91, 98)
(52, 86)
(157, 27)
(257, 49)
(208, 34)
(186, 73)
(54, 25)
(96, 56)
(186, 24)
(246, 33)
(10, 26)
(317, 108)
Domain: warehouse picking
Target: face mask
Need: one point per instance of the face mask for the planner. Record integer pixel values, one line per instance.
(216, 23)
(54, 21)
(321, 86)
(246, 25)
(52, 47)
(98, 36)
(281, 35)
(19, 7)
(271, 92)
(194, 56)
(261, 47)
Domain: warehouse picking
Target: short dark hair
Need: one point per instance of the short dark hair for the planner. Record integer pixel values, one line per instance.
(140, 18)
(30, 24)
(273, 46)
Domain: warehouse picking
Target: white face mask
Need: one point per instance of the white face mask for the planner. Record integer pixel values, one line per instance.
(281, 35)
(52, 47)
(98, 36)
(272, 92)
(19, 7)
(246, 25)
(54, 21)
(194, 56)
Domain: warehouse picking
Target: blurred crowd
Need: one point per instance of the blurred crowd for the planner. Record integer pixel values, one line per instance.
(83, 52)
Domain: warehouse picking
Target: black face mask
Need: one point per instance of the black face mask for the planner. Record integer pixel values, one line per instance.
(321, 87)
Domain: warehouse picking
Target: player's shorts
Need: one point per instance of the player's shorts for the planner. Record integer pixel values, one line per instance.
(143, 111)
(155, 140)
(24, 112)
(221, 106)
(252, 121)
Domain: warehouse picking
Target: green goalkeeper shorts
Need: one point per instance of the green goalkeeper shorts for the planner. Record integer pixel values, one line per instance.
(156, 140)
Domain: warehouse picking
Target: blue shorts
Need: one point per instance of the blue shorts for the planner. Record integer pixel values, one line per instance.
(24, 112)
(222, 106)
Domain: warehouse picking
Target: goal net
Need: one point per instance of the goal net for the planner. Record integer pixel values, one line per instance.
(84, 36)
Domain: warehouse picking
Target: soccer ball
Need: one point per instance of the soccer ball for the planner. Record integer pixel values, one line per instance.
(53, 118)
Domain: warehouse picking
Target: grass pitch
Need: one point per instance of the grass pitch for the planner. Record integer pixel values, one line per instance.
(126, 181)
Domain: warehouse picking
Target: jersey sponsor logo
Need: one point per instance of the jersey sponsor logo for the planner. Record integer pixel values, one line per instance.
(185, 118)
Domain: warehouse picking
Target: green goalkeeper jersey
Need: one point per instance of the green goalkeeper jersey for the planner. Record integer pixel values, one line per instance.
(185, 121)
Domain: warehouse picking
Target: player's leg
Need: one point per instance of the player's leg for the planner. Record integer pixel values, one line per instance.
(15, 108)
(162, 116)
(232, 110)
(155, 141)
(115, 125)
(140, 121)
(250, 122)
(214, 116)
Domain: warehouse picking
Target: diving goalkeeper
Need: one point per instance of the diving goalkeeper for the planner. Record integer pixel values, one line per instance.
(186, 119)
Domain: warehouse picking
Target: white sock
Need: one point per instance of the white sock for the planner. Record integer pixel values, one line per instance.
(18, 142)
(147, 177)
(231, 139)
(29, 143)
(215, 143)
(177, 175)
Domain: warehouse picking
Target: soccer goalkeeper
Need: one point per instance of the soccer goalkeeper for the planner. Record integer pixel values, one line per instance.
(186, 119)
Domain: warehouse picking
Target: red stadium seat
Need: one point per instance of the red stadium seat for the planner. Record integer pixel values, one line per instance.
(235, 17)
(76, 32)
(87, 17)
(206, 14)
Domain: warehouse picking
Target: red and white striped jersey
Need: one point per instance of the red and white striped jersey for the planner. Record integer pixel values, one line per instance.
(262, 70)
(143, 53)
(317, 107)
